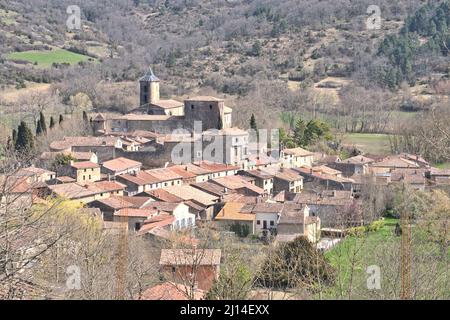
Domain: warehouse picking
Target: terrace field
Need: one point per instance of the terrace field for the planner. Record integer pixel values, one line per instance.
(46, 58)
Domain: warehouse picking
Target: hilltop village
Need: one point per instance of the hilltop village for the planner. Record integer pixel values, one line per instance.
(154, 173)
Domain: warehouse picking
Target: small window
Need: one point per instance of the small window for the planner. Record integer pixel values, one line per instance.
(90, 177)
(192, 106)
(210, 106)
(174, 269)
(258, 222)
(272, 223)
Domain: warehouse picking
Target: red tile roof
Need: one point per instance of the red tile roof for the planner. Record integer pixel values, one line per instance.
(84, 165)
(121, 164)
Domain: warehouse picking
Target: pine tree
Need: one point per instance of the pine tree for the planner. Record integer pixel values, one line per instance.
(61, 119)
(25, 139)
(52, 122)
(253, 123)
(43, 123)
(299, 133)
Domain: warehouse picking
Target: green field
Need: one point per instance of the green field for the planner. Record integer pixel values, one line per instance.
(369, 142)
(354, 254)
(47, 58)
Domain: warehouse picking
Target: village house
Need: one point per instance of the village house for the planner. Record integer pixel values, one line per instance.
(104, 147)
(112, 204)
(166, 177)
(296, 157)
(34, 174)
(327, 181)
(294, 221)
(263, 179)
(357, 165)
(120, 166)
(239, 184)
(261, 160)
(200, 201)
(84, 172)
(138, 182)
(200, 267)
(231, 215)
(285, 179)
(87, 193)
(135, 216)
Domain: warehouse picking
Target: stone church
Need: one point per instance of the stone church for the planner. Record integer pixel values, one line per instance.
(166, 115)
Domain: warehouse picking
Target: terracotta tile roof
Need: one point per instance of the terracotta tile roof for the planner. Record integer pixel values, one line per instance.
(84, 165)
(212, 167)
(32, 171)
(395, 162)
(80, 156)
(299, 152)
(183, 257)
(326, 170)
(163, 195)
(14, 184)
(210, 187)
(159, 221)
(259, 174)
(267, 207)
(163, 206)
(66, 179)
(193, 205)
(121, 164)
(76, 191)
(168, 104)
(189, 193)
(178, 170)
(164, 174)
(195, 170)
(237, 182)
(138, 202)
(115, 202)
(288, 175)
(358, 160)
(232, 211)
(170, 291)
(141, 178)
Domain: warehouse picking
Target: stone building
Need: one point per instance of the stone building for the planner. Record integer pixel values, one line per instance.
(165, 116)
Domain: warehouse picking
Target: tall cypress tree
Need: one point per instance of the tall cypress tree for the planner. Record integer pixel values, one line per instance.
(61, 119)
(43, 123)
(25, 139)
(52, 122)
(253, 123)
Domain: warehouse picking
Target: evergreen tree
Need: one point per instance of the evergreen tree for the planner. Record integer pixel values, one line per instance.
(61, 119)
(299, 133)
(52, 122)
(25, 139)
(43, 123)
(253, 123)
